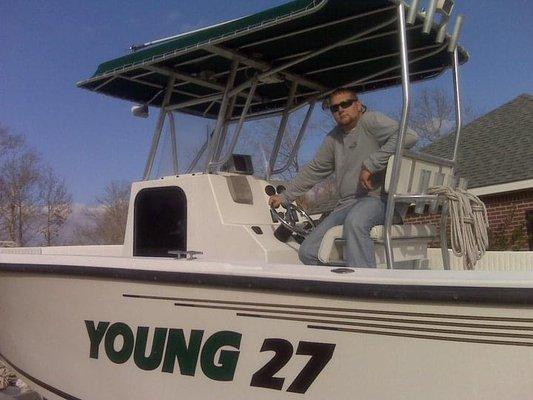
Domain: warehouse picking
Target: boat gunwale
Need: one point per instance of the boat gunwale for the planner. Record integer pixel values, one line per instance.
(456, 294)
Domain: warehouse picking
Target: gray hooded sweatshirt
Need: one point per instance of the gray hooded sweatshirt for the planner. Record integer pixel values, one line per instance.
(370, 143)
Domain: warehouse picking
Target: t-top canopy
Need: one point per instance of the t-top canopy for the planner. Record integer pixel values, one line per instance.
(318, 44)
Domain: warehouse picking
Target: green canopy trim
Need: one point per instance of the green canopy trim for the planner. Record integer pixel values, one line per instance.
(320, 45)
(188, 41)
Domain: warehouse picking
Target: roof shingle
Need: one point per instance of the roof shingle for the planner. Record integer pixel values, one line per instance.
(495, 148)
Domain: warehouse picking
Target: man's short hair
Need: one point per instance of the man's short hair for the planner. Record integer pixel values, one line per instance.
(327, 101)
(342, 91)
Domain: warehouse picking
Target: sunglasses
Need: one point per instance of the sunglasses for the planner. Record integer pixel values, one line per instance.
(343, 104)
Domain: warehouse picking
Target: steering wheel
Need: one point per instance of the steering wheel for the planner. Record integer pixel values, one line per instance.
(290, 220)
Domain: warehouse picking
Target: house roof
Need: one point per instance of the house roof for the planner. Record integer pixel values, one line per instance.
(496, 148)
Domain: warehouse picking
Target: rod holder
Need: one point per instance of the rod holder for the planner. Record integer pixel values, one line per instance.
(442, 33)
(455, 35)
(413, 10)
(430, 15)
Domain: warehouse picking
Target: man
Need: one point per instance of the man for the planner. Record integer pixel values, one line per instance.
(357, 151)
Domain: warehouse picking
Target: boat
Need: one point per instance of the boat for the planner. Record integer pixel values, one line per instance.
(206, 298)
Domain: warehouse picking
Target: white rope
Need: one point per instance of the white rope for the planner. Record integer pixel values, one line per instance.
(469, 224)
(6, 378)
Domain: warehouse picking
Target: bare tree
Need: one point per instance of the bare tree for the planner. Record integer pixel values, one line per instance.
(259, 143)
(56, 205)
(433, 115)
(268, 132)
(191, 150)
(23, 193)
(19, 207)
(106, 223)
(8, 141)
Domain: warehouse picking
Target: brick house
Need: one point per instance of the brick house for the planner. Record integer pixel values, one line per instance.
(496, 157)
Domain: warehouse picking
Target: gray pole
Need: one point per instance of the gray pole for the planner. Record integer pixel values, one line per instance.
(298, 140)
(281, 130)
(238, 129)
(221, 120)
(174, 142)
(158, 128)
(401, 136)
(458, 124)
(458, 112)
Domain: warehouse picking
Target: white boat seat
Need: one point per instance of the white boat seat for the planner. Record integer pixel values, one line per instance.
(331, 247)
(419, 231)
(417, 173)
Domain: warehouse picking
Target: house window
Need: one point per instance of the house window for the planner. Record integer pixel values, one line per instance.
(160, 222)
(529, 227)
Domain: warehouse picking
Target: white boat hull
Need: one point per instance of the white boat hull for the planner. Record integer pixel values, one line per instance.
(79, 336)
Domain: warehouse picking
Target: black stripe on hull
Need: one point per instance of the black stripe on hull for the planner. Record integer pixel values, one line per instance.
(354, 290)
(300, 307)
(418, 336)
(493, 330)
(366, 318)
(407, 331)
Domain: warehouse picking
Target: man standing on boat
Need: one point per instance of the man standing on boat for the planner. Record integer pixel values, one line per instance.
(357, 151)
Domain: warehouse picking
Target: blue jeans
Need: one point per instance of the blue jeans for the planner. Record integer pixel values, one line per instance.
(358, 219)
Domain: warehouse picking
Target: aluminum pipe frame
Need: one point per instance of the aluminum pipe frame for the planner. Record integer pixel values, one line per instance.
(281, 130)
(392, 196)
(215, 141)
(158, 129)
(173, 142)
(298, 141)
(401, 137)
(458, 126)
(237, 132)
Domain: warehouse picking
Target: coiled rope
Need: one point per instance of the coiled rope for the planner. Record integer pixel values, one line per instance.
(6, 378)
(469, 224)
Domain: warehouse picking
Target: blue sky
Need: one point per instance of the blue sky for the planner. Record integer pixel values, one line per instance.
(47, 46)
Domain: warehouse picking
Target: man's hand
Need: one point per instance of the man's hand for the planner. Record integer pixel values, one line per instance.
(275, 201)
(365, 179)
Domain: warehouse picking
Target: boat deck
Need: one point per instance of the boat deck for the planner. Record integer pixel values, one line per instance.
(112, 258)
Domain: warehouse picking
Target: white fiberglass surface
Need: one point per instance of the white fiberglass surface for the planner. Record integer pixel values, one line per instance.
(517, 279)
